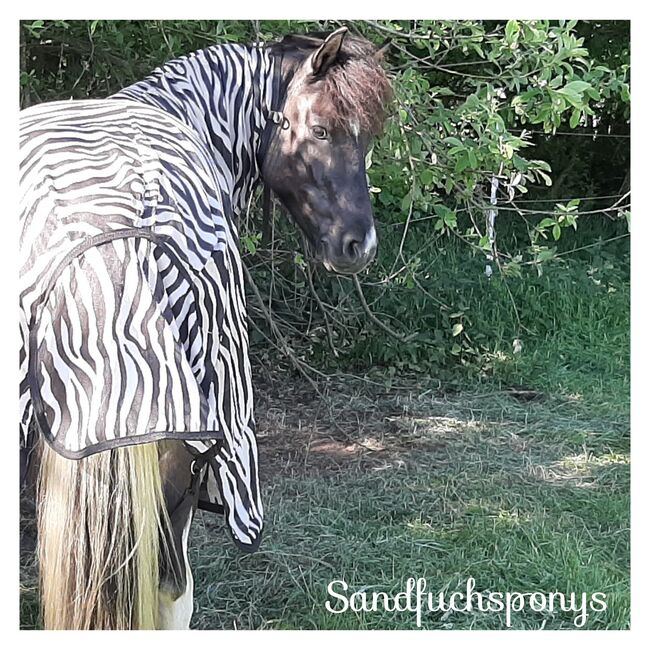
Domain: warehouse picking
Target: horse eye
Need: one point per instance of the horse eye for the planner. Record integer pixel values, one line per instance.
(319, 132)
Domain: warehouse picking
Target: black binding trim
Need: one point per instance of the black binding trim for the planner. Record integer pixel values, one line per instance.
(191, 496)
(217, 508)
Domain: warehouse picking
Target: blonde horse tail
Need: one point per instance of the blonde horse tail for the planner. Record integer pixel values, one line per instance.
(102, 523)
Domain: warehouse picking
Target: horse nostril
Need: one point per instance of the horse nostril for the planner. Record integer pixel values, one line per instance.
(352, 246)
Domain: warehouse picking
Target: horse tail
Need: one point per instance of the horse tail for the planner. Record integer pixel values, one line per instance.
(102, 527)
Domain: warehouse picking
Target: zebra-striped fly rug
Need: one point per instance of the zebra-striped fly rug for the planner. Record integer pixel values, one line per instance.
(132, 306)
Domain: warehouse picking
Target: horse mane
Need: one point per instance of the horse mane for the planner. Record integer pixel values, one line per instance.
(357, 83)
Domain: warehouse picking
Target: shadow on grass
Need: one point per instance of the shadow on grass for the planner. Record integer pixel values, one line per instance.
(520, 497)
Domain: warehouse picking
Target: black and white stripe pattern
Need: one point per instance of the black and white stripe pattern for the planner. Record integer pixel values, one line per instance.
(133, 315)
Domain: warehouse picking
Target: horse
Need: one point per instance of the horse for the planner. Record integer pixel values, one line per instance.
(135, 382)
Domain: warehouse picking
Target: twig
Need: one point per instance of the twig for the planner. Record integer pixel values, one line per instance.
(375, 320)
(286, 348)
(598, 243)
(328, 329)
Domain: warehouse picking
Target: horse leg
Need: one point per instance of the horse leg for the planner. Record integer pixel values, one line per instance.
(176, 597)
(174, 608)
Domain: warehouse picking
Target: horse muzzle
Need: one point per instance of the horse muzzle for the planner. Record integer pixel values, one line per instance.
(352, 254)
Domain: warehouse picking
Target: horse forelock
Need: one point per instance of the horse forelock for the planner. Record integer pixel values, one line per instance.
(356, 85)
(360, 92)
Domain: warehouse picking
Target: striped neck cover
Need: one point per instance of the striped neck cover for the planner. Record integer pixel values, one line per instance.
(221, 93)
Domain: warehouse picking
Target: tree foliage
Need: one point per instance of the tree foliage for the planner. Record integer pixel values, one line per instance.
(530, 115)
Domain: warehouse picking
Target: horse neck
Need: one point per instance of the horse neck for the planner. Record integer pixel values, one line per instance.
(220, 93)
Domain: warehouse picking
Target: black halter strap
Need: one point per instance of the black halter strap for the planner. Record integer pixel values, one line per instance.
(274, 118)
(273, 114)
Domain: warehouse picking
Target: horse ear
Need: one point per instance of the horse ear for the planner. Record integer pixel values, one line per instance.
(326, 54)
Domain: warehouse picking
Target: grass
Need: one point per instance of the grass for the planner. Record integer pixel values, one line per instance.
(403, 478)
(572, 324)
(519, 497)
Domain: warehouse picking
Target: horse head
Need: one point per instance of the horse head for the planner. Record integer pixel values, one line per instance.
(335, 97)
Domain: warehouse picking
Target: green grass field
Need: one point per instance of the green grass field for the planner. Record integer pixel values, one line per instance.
(524, 490)
(519, 497)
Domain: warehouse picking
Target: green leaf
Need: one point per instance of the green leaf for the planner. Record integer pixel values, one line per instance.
(512, 30)
(546, 177)
(545, 254)
(447, 216)
(462, 163)
(457, 329)
(406, 201)
(594, 94)
(557, 232)
(542, 164)
(449, 184)
(450, 219)
(249, 242)
(574, 88)
(520, 163)
(625, 92)
(575, 118)
(477, 48)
